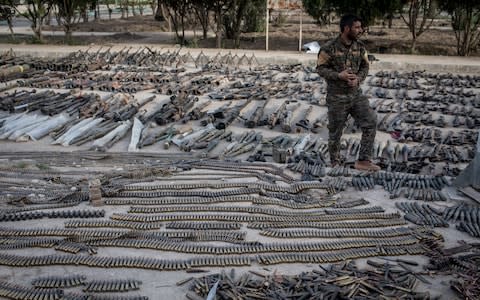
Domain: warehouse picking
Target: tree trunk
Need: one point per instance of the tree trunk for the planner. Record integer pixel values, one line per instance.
(159, 16)
(205, 31)
(218, 33)
(97, 11)
(413, 45)
(68, 33)
(109, 11)
(38, 34)
(183, 29)
(10, 27)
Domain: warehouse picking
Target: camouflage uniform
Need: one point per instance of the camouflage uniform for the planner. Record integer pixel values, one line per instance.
(342, 100)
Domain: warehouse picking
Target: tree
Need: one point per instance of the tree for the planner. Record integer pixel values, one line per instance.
(201, 8)
(7, 12)
(233, 18)
(367, 10)
(320, 10)
(254, 19)
(37, 11)
(389, 8)
(219, 7)
(178, 11)
(419, 17)
(465, 22)
(159, 13)
(67, 9)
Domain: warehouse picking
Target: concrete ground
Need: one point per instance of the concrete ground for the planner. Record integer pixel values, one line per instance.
(441, 64)
(162, 285)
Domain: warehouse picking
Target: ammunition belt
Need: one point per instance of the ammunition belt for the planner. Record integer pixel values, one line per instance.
(336, 233)
(262, 176)
(232, 260)
(97, 286)
(115, 262)
(254, 248)
(19, 243)
(294, 188)
(252, 210)
(89, 235)
(328, 225)
(112, 223)
(61, 232)
(299, 201)
(178, 200)
(180, 193)
(38, 207)
(203, 225)
(326, 202)
(244, 166)
(59, 281)
(14, 291)
(53, 214)
(73, 247)
(299, 198)
(350, 204)
(372, 209)
(343, 255)
(211, 208)
(57, 244)
(250, 218)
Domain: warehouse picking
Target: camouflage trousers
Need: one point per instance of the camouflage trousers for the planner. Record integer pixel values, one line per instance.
(339, 108)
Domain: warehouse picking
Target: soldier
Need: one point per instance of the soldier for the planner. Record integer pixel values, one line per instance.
(343, 63)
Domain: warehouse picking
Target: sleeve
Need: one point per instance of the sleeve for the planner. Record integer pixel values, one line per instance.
(364, 67)
(324, 66)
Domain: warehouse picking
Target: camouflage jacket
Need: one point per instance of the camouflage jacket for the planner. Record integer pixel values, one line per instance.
(334, 57)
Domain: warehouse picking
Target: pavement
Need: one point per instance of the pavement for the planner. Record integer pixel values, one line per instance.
(441, 64)
(161, 285)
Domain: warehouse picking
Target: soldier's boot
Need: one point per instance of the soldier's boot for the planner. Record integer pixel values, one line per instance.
(366, 165)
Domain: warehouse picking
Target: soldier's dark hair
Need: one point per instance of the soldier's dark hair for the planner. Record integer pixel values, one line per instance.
(348, 20)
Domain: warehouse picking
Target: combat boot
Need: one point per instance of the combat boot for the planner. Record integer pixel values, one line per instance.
(366, 165)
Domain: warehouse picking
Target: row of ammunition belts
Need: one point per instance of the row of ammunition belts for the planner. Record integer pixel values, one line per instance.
(90, 286)
(19, 216)
(328, 225)
(304, 204)
(251, 218)
(252, 248)
(251, 209)
(96, 234)
(17, 292)
(407, 248)
(294, 188)
(335, 233)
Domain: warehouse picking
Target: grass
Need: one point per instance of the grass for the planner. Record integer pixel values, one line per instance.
(21, 165)
(41, 166)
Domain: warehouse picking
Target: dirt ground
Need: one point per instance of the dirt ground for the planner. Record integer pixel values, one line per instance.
(439, 40)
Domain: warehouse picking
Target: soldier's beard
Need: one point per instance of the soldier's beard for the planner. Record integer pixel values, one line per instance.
(352, 36)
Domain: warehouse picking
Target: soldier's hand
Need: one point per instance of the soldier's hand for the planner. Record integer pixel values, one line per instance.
(353, 82)
(345, 75)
